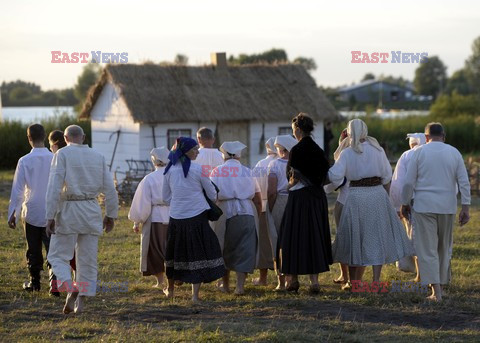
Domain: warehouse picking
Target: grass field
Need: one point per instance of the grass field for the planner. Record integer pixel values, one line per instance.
(144, 314)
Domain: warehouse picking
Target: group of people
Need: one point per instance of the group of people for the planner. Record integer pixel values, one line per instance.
(56, 195)
(203, 214)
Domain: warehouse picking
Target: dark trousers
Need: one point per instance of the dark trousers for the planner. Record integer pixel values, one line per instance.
(35, 237)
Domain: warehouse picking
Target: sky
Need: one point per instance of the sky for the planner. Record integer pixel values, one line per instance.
(158, 30)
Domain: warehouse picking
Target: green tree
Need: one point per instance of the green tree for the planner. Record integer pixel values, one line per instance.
(472, 67)
(271, 56)
(19, 94)
(430, 77)
(459, 83)
(88, 77)
(308, 63)
(446, 106)
(368, 76)
(181, 60)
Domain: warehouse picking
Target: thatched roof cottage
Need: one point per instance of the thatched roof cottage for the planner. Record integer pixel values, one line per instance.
(134, 108)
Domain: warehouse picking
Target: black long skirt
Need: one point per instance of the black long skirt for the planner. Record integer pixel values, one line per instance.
(193, 252)
(304, 244)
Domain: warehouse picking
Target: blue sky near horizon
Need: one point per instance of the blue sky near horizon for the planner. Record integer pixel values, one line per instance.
(158, 30)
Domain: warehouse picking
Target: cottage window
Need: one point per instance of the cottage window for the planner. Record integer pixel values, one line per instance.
(172, 135)
(284, 130)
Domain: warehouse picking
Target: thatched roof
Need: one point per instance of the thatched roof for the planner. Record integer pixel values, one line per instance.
(160, 94)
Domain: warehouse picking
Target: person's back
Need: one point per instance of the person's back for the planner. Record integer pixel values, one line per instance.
(185, 194)
(87, 166)
(438, 167)
(33, 170)
(370, 163)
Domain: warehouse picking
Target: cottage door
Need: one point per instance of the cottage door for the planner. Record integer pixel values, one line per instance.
(235, 131)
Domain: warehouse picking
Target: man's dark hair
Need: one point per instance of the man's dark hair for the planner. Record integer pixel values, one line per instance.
(36, 133)
(205, 133)
(434, 130)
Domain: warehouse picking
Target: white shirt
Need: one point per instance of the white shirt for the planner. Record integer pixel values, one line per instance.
(77, 176)
(148, 200)
(260, 171)
(208, 158)
(185, 194)
(398, 178)
(30, 186)
(278, 168)
(356, 166)
(433, 173)
(237, 187)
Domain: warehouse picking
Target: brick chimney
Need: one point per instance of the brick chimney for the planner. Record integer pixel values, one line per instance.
(219, 59)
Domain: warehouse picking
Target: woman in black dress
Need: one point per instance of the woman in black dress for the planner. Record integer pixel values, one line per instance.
(304, 244)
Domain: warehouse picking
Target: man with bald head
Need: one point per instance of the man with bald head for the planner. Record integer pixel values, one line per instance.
(78, 175)
(435, 173)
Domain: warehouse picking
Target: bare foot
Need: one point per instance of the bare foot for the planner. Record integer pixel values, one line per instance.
(79, 305)
(340, 280)
(258, 282)
(223, 289)
(280, 288)
(239, 291)
(70, 303)
(434, 298)
(168, 293)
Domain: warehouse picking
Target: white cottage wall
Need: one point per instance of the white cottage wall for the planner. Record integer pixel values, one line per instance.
(109, 115)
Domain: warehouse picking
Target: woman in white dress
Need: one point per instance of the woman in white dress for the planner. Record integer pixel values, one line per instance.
(149, 211)
(408, 264)
(370, 232)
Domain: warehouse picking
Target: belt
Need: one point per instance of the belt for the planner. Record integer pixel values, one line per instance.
(367, 182)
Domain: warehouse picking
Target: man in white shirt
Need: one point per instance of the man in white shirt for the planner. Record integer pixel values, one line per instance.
(78, 175)
(434, 172)
(208, 156)
(27, 200)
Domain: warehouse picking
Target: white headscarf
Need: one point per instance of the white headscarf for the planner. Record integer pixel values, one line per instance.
(159, 155)
(358, 130)
(232, 148)
(416, 138)
(269, 145)
(286, 141)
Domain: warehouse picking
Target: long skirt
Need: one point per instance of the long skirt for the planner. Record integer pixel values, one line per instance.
(370, 232)
(265, 259)
(157, 247)
(240, 247)
(193, 252)
(304, 244)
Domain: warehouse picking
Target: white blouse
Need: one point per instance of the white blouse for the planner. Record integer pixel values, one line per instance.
(356, 166)
(237, 187)
(278, 168)
(260, 173)
(148, 200)
(185, 194)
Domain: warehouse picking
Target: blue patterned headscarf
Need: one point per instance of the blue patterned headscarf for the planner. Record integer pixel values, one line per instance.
(182, 146)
